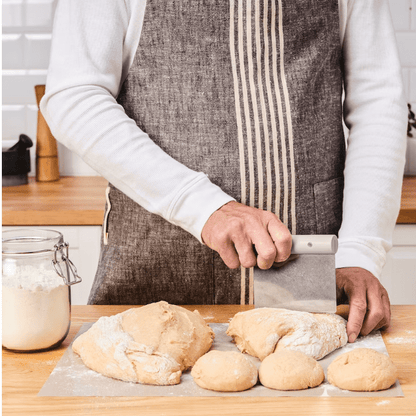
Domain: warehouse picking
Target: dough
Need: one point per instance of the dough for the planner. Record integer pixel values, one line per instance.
(290, 370)
(152, 344)
(224, 371)
(260, 332)
(362, 369)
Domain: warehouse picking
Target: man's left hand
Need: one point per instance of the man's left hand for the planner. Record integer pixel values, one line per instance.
(368, 300)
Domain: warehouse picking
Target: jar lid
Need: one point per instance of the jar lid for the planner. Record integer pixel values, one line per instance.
(29, 241)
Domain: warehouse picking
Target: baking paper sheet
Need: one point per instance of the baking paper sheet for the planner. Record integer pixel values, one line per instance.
(72, 378)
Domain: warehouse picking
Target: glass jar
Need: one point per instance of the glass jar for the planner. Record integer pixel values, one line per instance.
(36, 293)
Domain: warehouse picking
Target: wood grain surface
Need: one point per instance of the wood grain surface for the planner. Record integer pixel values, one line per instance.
(25, 374)
(47, 164)
(407, 213)
(69, 201)
(80, 201)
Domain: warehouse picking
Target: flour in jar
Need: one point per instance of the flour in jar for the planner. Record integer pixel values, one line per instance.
(36, 308)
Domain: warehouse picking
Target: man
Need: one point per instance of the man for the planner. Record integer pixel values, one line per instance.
(223, 121)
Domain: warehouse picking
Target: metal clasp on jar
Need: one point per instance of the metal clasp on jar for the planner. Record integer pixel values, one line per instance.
(70, 267)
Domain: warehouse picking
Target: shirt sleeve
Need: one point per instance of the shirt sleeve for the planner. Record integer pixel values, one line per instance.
(376, 115)
(93, 46)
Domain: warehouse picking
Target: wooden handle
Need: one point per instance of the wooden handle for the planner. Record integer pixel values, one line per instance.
(47, 165)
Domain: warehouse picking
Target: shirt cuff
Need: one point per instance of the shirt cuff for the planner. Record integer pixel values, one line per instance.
(360, 253)
(196, 203)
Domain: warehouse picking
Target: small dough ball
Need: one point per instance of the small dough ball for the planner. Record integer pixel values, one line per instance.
(224, 371)
(362, 369)
(290, 370)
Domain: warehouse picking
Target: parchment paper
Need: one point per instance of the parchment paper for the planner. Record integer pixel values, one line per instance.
(72, 378)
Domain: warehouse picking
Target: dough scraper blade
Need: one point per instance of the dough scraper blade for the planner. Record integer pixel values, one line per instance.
(305, 282)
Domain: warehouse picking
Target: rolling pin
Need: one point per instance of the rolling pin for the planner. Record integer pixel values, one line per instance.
(47, 166)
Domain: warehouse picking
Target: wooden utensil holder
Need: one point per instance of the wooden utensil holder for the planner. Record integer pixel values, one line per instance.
(47, 166)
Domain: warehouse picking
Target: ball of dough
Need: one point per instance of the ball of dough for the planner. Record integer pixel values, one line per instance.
(260, 332)
(151, 344)
(290, 370)
(362, 369)
(224, 371)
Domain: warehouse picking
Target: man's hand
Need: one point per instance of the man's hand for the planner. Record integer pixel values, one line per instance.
(247, 236)
(368, 300)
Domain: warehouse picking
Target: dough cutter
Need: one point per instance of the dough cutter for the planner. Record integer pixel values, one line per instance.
(305, 282)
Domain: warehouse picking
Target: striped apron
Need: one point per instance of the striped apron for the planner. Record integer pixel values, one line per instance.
(248, 92)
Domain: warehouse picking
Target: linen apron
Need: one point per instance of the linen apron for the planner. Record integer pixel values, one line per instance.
(248, 92)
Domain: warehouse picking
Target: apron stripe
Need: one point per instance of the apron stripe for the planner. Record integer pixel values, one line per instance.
(237, 104)
(263, 108)
(248, 131)
(250, 103)
(243, 286)
(281, 123)
(252, 84)
(246, 103)
(240, 133)
(262, 95)
(289, 121)
(272, 114)
(251, 287)
(252, 114)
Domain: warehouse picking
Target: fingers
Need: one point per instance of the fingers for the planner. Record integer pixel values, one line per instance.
(358, 310)
(368, 299)
(229, 256)
(265, 248)
(247, 236)
(282, 239)
(374, 318)
(387, 310)
(378, 314)
(244, 248)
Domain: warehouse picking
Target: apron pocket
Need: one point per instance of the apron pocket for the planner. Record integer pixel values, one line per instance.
(328, 205)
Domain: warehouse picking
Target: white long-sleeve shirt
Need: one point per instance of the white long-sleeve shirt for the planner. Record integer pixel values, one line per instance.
(93, 46)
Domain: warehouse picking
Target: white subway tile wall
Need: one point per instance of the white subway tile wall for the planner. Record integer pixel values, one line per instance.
(26, 39)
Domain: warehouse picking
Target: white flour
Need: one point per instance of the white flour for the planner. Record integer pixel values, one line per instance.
(36, 310)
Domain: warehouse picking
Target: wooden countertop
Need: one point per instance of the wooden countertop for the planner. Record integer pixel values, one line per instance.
(407, 213)
(25, 374)
(80, 201)
(77, 200)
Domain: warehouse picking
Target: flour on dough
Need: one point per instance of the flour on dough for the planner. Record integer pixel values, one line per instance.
(262, 331)
(224, 371)
(362, 369)
(152, 344)
(290, 370)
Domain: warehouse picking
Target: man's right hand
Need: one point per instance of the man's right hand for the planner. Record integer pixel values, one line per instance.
(247, 236)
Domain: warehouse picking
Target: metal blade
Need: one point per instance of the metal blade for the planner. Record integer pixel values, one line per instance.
(306, 283)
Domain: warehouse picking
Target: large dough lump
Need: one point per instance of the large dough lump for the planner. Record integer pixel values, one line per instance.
(290, 370)
(362, 369)
(260, 332)
(224, 371)
(152, 344)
